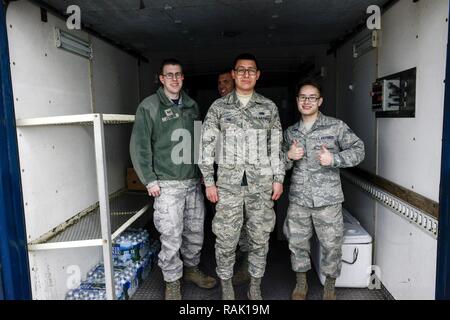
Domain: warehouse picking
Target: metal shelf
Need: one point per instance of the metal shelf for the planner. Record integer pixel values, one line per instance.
(84, 230)
(79, 119)
(99, 225)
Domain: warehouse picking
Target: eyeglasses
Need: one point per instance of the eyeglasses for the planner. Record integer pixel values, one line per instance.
(312, 99)
(241, 71)
(171, 76)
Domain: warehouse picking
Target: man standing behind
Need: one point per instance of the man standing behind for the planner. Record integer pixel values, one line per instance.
(175, 183)
(241, 181)
(317, 146)
(225, 85)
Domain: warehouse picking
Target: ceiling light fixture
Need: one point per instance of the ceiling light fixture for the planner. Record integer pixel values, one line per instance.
(278, 1)
(167, 7)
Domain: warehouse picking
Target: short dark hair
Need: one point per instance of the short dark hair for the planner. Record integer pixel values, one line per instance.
(309, 82)
(224, 71)
(170, 61)
(245, 56)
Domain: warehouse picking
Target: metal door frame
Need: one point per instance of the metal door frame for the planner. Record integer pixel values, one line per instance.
(443, 251)
(15, 273)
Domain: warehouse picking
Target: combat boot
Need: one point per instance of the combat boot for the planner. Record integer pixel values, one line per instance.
(301, 288)
(329, 293)
(242, 276)
(194, 275)
(227, 290)
(173, 290)
(254, 291)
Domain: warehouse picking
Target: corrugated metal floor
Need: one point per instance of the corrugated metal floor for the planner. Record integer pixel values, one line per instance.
(277, 284)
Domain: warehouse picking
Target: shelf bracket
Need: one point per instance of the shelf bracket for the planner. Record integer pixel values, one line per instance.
(103, 196)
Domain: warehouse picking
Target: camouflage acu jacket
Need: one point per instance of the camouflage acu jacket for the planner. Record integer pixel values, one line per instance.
(313, 185)
(242, 139)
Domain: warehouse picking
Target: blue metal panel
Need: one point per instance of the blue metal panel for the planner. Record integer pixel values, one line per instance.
(443, 254)
(13, 245)
(2, 295)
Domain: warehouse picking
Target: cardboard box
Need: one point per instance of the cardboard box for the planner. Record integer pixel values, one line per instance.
(133, 182)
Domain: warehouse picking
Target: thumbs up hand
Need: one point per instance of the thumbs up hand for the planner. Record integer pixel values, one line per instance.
(295, 152)
(325, 156)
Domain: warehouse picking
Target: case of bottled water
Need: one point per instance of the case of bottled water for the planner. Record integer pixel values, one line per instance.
(133, 257)
(131, 246)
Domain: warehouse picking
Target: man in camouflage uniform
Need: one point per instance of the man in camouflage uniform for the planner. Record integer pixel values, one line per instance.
(175, 183)
(225, 85)
(246, 128)
(317, 146)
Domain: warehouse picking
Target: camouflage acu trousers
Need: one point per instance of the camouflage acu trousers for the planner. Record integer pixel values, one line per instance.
(243, 239)
(329, 226)
(179, 217)
(227, 224)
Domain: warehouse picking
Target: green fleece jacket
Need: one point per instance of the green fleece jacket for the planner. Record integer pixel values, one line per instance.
(158, 150)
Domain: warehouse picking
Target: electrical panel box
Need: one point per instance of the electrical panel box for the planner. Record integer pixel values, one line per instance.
(395, 95)
(386, 95)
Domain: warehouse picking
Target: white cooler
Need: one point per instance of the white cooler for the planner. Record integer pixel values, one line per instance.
(356, 255)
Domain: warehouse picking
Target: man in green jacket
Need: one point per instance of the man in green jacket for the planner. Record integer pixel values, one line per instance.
(162, 152)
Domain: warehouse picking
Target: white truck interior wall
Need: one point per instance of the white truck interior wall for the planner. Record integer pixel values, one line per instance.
(58, 162)
(406, 257)
(115, 89)
(361, 206)
(58, 175)
(54, 272)
(47, 81)
(418, 39)
(355, 78)
(415, 35)
(344, 79)
(326, 65)
(115, 79)
(409, 150)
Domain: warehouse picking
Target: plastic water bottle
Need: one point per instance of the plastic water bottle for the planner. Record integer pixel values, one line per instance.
(135, 249)
(70, 295)
(125, 250)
